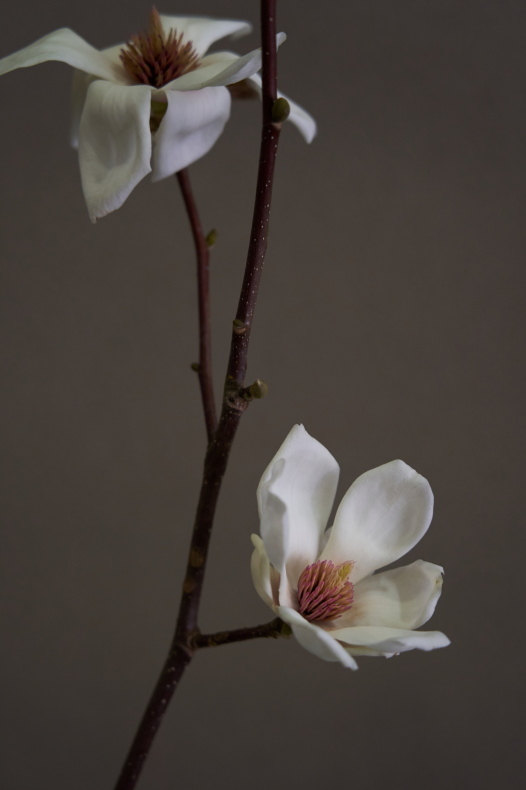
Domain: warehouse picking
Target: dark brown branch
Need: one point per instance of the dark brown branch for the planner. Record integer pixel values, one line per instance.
(234, 404)
(178, 659)
(273, 630)
(203, 295)
(237, 364)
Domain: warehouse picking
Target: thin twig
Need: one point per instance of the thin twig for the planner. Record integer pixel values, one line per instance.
(203, 295)
(218, 450)
(273, 630)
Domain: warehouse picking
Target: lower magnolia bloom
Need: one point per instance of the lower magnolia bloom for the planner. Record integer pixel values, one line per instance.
(157, 103)
(322, 582)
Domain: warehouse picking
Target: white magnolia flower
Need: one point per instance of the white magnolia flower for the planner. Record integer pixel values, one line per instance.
(322, 583)
(160, 91)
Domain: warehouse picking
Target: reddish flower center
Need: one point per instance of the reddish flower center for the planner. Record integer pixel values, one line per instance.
(154, 58)
(324, 590)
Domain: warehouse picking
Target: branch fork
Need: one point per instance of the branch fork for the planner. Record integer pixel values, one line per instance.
(187, 638)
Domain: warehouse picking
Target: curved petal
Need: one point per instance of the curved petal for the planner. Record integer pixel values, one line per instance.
(295, 497)
(381, 517)
(263, 574)
(114, 144)
(67, 47)
(192, 124)
(389, 640)
(400, 598)
(203, 31)
(79, 91)
(314, 639)
(81, 83)
(213, 72)
(301, 119)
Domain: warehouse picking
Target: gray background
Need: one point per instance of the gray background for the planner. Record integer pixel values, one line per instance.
(389, 324)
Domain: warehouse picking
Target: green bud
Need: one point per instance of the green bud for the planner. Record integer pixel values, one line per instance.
(196, 366)
(258, 389)
(280, 110)
(238, 327)
(211, 237)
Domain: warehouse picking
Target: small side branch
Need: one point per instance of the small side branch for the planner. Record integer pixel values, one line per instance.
(203, 295)
(272, 630)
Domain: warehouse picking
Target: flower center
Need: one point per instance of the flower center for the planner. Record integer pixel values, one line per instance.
(154, 58)
(324, 590)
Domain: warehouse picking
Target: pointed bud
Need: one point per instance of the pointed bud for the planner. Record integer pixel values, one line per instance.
(258, 389)
(211, 237)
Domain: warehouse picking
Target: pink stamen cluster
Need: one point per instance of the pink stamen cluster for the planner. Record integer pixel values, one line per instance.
(154, 58)
(324, 590)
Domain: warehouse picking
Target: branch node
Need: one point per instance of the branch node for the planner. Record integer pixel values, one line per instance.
(238, 327)
(196, 367)
(196, 558)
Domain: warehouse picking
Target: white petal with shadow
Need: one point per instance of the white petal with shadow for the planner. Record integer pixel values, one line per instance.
(314, 639)
(114, 144)
(381, 517)
(400, 598)
(295, 497)
(67, 47)
(192, 124)
(389, 640)
(263, 574)
(203, 31)
(215, 71)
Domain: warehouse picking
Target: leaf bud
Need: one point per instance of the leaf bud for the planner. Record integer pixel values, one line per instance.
(280, 110)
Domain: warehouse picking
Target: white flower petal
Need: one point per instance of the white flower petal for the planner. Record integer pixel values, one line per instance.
(202, 31)
(381, 517)
(81, 83)
(400, 598)
(314, 639)
(114, 144)
(263, 574)
(67, 47)
(213, 71)
(301, 119)
(192, 124)
(79, 91)
(389, 640)
(295, 497)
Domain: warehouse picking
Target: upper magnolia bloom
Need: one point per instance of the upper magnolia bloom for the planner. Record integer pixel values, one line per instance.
(322, 583)
(155, 104)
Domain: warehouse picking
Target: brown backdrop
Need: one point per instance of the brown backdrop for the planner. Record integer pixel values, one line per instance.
(389, 324)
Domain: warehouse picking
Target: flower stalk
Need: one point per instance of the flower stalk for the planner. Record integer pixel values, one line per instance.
(187, 638)
(273, 630)
(202, 249)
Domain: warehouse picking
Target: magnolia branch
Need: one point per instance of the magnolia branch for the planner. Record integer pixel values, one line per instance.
(273, 630)
(186, 638)
(202, 250)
